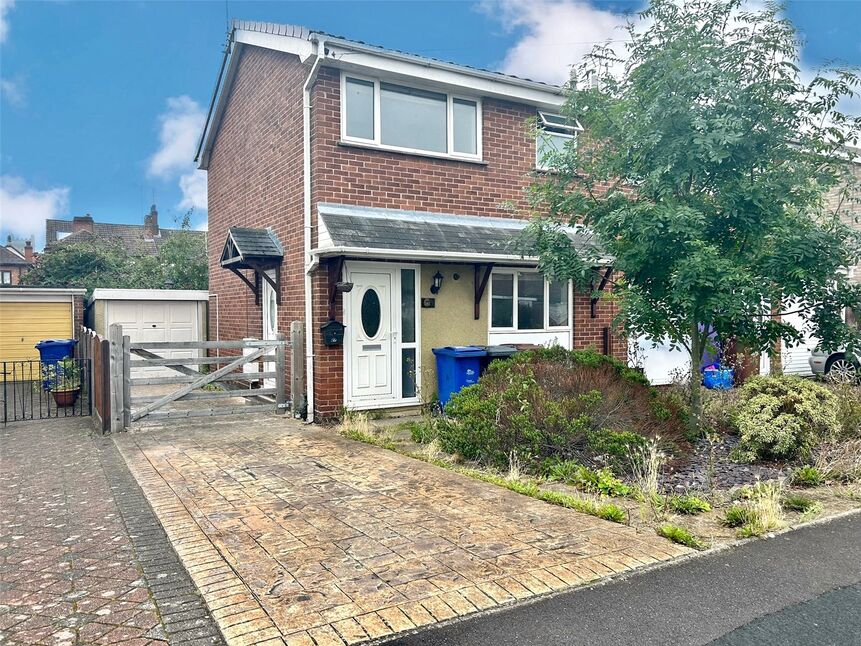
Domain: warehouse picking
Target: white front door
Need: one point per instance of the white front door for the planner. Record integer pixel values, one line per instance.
(382, 335)
(372, 336)
(270, 324)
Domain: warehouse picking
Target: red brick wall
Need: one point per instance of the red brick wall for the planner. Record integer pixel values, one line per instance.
(17, 271)
(255, 180)
(589, 332)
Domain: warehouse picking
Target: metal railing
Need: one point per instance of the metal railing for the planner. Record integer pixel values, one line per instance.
(34, 390)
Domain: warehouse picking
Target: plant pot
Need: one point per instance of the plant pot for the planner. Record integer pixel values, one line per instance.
(66, 398)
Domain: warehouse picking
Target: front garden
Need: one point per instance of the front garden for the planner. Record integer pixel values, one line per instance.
(582, 430)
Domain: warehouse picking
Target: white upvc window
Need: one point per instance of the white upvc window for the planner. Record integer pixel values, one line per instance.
(5, 277)
(393, 116)
(524, 301)
(555, 134)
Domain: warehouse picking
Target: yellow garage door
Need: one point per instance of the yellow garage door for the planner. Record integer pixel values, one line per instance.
(23, 325)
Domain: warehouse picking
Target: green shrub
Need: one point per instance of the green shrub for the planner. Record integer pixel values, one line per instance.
(849, 409)
(807, 476)
(783, 417)
(688, 504)
(681, 535)
(423, 432)
(555, 402)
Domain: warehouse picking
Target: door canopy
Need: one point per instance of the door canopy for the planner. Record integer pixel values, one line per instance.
(258, 250)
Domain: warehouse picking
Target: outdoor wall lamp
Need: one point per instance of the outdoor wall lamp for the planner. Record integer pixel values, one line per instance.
(437, 283)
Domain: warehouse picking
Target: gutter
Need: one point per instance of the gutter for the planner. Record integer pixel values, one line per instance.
(310, 261)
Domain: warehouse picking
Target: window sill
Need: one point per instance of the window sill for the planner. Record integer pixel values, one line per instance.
(411, 153)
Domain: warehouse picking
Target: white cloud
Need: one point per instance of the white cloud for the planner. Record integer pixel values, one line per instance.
(556, 35)
(24, 209)
(193, 186)
(180, 127)
(5, 7)
(13, 92)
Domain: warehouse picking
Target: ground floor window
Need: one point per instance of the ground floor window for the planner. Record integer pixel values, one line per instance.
(524, 300)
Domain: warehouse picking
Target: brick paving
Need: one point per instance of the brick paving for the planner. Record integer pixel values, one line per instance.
(294, 534)
(83, 559)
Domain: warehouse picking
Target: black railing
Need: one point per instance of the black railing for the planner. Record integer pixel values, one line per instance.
(33, 390)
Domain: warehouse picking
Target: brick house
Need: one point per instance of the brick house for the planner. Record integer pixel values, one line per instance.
(136, 239)
(16, 259)
(392, 187)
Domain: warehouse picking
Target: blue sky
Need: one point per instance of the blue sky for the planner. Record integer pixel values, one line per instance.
(102, 101)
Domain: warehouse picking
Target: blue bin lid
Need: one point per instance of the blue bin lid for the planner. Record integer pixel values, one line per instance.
(460, 351)
(47, 343)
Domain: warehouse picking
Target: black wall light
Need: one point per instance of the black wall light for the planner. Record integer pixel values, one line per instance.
(437, 283)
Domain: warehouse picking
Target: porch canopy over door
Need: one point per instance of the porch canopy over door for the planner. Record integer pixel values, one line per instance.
(258, 250)
(394, 234)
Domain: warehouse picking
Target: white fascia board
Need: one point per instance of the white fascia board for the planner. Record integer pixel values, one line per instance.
(438, 75)
(301, 47)
(149, 295)
(223, 93)
(24, 294)
(433, 256)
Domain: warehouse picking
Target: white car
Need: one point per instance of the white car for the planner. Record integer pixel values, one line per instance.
(835, 366)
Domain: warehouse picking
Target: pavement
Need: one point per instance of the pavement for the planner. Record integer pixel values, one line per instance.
(294, 534)
(796, 589)
(83, 559)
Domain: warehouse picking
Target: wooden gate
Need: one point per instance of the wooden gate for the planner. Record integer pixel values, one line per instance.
(211, 380)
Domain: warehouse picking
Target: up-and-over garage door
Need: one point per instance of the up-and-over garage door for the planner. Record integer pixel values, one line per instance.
(148, 321)
(24, 323)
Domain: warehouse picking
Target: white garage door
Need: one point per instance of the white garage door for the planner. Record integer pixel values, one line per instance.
(148, 321)
(795, 357)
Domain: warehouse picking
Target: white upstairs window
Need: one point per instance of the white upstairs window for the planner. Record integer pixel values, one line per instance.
(555, 133)
(392, 116)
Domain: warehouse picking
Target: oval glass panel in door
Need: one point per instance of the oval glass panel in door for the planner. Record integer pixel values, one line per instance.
(371, 313)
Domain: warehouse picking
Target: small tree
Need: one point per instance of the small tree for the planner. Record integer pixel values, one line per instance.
(181, 261)
(702, 173)
(87, 264)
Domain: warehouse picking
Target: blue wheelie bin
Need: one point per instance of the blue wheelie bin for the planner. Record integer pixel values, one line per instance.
(52, 351)
(456, 367)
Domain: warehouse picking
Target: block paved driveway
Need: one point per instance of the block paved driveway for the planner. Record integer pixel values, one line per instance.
(295, 534)
(83, 559)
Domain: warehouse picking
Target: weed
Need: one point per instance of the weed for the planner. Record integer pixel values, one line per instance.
(736, 516)
(423, 432)
(646, 463)
(590, 480)
(513, 467)
(681, 536)
(611, 512)
(840, 461)
(799, 503)
(807, 476)
(687, 504)
(763, 509)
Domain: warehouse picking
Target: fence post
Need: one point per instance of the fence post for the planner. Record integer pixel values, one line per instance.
(115, 336)
(127, 381)
(280, 373)
(297, 367)
(104, 373)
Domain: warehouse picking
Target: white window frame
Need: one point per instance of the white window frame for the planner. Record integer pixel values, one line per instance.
(376, 141)
(514, 318)
(566, 131)
(4, 274)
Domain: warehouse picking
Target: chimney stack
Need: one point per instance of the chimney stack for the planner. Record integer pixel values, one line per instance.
(82, 223)
(151, 223)
(28, 251)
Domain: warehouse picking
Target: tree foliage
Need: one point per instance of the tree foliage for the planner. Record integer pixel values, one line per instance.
(97, 262)
(702, 172)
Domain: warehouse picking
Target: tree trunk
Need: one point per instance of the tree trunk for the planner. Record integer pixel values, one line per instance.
(696, 400)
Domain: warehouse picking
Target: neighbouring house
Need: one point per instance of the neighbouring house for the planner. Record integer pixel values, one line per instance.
(16, 259)
(32, 314)
(137, 239)
(382, 191)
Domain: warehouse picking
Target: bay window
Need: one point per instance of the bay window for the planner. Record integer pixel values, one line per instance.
(397, 117)
(525, 301)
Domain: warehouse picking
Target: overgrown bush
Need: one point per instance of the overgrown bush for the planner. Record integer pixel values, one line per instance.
(783, 417)
(557, 403)
(839, 461)
(848, 409)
